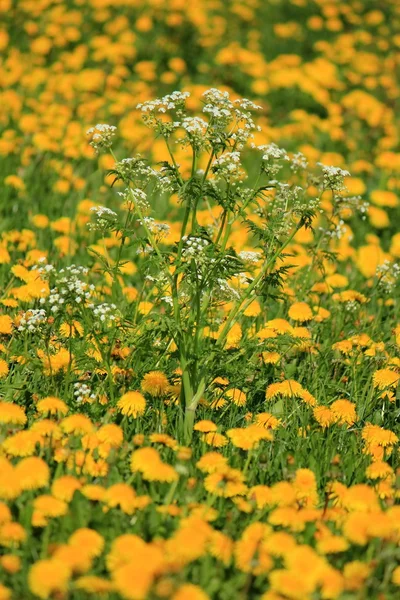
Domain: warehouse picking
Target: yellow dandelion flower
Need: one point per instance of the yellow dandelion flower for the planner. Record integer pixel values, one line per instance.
(226, 483)
(51, 405)
(73, 329)
(132, 404)
(12, 534)
(33, 473)
(48, 577)
(205, 426)
(213, 438)
(4, 368)
(92, 584)
(384, 378)
(10, 563)
(5, 593)
(64, 487)
(88, 540)
(396, 576)
(344, 412)
(189, 591)
(77, 424)
(12, 414)
(22, 443)
(155, 383)
(6, 325)
(236, 396)
(211, 461)
(300, 311)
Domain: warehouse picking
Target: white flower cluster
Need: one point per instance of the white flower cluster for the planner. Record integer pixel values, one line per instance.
(70, 288)
(83, 393)
(106, 313)
(32, 320)
(273, 152)
(333, 177)
(102, 136)
(228, 167)
(196, 129)
(249, 257)
(194, 247)
(357, 203)
(42, 268)
(161, 105)
(225, 291)
(223, 112)
(105, 218)
(152, 108)
(388, 273)
(139, 198)
(160, 230)
(298, 162)
(272, 157)
(135, 169)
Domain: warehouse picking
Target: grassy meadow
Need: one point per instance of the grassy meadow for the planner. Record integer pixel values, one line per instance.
(199, 299)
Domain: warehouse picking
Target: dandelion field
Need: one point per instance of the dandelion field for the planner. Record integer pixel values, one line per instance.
(199, 313)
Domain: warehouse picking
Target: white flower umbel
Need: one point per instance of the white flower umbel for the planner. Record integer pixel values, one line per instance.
(102, 136)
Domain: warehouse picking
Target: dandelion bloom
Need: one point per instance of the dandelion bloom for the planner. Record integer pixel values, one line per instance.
(5, 593)
(132, 404)
(236, 396)
(92, 584)
(12, 414)
(12, 534)
(226, 483)
(22, 443)
(47, 506)
(248, 438)
(344, 412)
(213, 438)
(10, 563)
(89, 540)
(155, 383)
(267, 420)
(355, 574)
(10, 487)
(205, 426)
(300, 311)
(77, 424)
(373, 434)
(396, 576)
(379, 469)
(74, 557)
(73, 329)
(5, 513)
(51, 405)
(111, 434)
(289, 388)
(48, 577)
(64, 487)
(251, 554)
(189, 591)
(262, 495)
(33, 473)
(148, 462)
(324, 416)
(6, 325)
(384, 378)
(221, 547)
(164, 439)
(211, 461)
(121, 495)
(135, 576)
